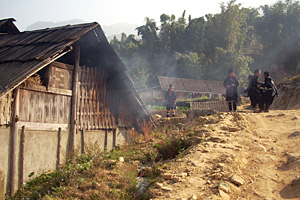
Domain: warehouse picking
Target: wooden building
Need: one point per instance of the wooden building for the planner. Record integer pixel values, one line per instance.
(185, 88)
(60, 89)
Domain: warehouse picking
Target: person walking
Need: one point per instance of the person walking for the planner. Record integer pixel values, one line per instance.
(231, 84)
(269, 91)
(171, 100)
(253, 90)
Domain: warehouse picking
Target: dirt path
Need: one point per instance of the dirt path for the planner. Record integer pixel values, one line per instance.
(245, 156)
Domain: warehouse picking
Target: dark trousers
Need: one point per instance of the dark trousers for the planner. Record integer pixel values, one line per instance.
(255, 97)
(266, 100)
(232, 104)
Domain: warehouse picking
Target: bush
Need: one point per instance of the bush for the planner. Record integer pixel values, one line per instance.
(172, 146)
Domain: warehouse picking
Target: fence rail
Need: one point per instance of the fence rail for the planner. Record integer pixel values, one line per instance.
(220, 106)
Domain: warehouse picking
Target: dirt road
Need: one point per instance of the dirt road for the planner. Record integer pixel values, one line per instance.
(245, 156)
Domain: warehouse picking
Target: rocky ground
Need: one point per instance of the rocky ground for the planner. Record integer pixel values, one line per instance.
(244, 156)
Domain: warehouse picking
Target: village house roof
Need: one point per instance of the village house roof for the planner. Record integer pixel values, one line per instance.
(7, 26)
(23, 54)
(192, 85)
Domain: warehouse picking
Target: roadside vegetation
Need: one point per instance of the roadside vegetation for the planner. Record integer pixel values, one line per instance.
(100, 175)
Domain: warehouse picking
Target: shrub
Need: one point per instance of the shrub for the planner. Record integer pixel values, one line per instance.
(172, 146)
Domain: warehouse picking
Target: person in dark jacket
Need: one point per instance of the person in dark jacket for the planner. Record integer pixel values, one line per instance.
(253, 90)
(171, 100)
(231, 84)
(269, 91)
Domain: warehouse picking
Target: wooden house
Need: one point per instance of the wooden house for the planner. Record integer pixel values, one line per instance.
(185, 88)
(60, 89)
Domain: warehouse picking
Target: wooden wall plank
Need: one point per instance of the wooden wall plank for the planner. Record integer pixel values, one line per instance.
(94, 99)
(67, 109)
(105, 101)
(85, 118)
(40, 107)
(87, 98)
(47, 109)
(50, 90)
(31, 116)
(91, 99)
(79, 108)
(56, 108)
(60, 108)
(97, 99)
(101, 99)
(23, 112)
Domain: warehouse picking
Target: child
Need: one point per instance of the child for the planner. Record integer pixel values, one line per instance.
(171, 100)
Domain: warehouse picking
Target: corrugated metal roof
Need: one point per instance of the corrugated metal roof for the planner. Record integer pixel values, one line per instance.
(191, 85)
(24, 53)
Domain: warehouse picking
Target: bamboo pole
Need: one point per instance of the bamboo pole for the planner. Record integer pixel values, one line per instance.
(74, 103)
(13, 144)
(22, 152)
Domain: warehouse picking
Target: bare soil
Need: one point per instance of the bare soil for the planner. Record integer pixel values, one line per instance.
(263, 150)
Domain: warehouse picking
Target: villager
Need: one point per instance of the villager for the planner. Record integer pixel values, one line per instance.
(253, 90)
(231, 84)
(171, 100)
(269, 91)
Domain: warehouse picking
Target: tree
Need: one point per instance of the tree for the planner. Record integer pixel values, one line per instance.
(190, 65)
(279, 30)
(206, 47)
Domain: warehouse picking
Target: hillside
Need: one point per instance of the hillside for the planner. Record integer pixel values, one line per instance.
(289, 94)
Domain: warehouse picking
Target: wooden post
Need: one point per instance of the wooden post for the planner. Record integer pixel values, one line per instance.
(105, 140)
(14, 143)
(22, 152)
(58, 147)
(73, 116)
(115, 137)
(82, 141)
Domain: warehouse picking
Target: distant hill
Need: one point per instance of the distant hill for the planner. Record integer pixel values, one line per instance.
(43, 24)
(118, 29)
(110, 31)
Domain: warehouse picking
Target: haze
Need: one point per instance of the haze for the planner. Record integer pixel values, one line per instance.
(108, 12)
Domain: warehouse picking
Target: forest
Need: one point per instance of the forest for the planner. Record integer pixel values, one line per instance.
(242, 38)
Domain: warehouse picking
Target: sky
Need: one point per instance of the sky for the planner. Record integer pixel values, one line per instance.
(108, 12)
